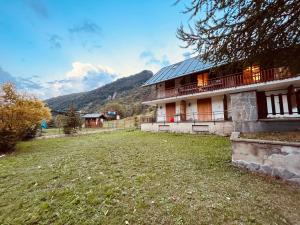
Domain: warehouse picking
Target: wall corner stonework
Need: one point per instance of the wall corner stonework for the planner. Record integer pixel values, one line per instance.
(244, 109)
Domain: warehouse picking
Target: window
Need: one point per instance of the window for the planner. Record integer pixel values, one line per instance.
(170, 84)
(202, 79)
(251, 74)
(283, 103)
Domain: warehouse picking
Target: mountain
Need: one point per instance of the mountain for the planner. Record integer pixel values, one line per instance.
(125, 91)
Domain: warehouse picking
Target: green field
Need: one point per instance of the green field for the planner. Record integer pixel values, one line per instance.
(56, 131)
(138, 178)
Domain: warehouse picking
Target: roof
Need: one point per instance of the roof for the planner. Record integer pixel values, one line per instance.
(92, 115)
(180, 69)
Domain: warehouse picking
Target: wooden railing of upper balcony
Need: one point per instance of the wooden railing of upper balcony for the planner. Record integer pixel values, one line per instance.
(228, 81)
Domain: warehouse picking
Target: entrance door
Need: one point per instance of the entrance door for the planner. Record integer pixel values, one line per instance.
(182, 110)
(204, 109)
(170, 111)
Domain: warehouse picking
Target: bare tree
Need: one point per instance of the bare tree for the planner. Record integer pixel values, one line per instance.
(243, 30)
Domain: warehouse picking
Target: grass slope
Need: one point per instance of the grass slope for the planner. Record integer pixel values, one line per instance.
(138, 178)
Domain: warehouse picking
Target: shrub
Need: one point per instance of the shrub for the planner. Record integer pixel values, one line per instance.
(136, 122)
(51, 123)
(19, 115)
(9, 139)
(31, 132)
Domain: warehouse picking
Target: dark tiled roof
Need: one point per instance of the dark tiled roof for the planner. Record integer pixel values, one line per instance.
(185, 67)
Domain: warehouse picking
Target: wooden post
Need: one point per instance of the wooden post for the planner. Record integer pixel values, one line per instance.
(273, 105)
(289, 98)
(280, 104)
(225, 107)
(298, 101)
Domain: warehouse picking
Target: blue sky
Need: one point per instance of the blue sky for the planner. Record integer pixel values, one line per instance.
(54, 47)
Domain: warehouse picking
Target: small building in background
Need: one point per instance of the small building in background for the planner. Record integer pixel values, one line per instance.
(112, 115)
(93, 120)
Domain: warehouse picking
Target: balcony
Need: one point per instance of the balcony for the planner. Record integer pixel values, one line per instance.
(224, 82)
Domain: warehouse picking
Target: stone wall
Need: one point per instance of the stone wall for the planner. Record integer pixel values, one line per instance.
(275, 158)
(219, 128)
(244, 109)
(269, 125)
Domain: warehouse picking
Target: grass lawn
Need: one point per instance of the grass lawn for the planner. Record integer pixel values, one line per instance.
(52, 131)
(55, 131)
(138, 178)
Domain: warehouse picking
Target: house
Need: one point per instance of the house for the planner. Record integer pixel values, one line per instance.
(192, 96)
(112, 115)
(93, 120)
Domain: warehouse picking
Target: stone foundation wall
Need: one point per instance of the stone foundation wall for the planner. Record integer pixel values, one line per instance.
(278, 125)
(219, 128)
(244, 109)
(278, 159)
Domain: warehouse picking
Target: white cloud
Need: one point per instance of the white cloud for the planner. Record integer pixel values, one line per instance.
(21, 83)
(80, 70)
(81, 77)
(151, 59)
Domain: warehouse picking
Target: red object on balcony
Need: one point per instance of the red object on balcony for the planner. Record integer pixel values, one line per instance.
(171, 120)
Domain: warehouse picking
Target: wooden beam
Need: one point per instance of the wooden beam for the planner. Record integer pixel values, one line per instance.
(289, 98)
(273, 105)
(280, 104)
(225, 106)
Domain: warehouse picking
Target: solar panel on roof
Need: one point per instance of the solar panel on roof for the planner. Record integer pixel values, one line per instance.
(173, 70)
(168, 72)
(157, 76)
(185, 67)
(191, 68)
(202, 66)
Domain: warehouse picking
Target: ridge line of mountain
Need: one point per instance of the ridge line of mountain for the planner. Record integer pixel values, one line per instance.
(126, 91)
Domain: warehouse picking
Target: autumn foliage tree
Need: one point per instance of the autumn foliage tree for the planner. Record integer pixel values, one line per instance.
(18, 114)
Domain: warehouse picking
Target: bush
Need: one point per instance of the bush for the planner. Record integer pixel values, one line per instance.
(51, 123)
(136, 122)
(8, 140)
(31, 132)
(68, 130)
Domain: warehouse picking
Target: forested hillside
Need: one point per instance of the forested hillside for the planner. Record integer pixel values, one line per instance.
(126, 91)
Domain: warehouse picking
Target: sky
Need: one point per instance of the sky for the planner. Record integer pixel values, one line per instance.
(56, 47)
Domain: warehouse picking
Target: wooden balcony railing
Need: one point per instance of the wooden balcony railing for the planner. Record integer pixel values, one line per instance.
(228, 81)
